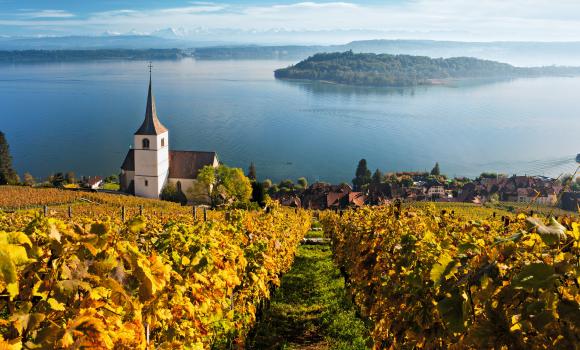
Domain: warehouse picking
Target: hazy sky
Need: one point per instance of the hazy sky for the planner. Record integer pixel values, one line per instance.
(546, 20)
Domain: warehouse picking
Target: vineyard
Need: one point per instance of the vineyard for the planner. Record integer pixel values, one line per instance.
(65, 203)
(430, 279)
(94, 281)
(94, 270)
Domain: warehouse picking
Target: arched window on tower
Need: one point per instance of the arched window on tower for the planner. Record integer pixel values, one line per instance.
(163, 142)
(145, 143)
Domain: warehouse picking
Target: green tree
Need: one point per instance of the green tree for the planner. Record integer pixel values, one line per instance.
(171, 193)
(303, 183)
(286, 185)
(252, 172)
(273, 189)
(57, 180)
(70, 178)
(29, 179)
(436, 171)
(258, 193)
(225, 184)
(267, 184)
(362, 176)
(112, 179)
(7, 174)
(377, 178)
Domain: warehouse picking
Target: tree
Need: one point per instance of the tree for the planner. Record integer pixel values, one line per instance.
(273, 189)
(286, 185)
(258, 193)
(303, 183)
(362, 176)
(436, 171)
(267, 184)
(252, 172)
(7, 174)
(171, 193)
(112, 179)
(377, 178)
(407, 181)
(225, 184)
(70, 178)
(29, 179)
(57, 180)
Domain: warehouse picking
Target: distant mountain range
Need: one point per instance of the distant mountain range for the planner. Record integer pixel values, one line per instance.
(108, 41)
(517, 53)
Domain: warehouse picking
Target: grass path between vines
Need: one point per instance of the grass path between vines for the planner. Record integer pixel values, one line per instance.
(311, 310)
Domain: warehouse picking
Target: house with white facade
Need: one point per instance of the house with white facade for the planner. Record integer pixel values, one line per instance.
(150, 164)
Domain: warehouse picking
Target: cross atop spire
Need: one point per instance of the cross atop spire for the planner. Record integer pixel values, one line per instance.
(151, 125)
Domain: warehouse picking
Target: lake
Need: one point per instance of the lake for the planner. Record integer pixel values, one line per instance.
(82, 116)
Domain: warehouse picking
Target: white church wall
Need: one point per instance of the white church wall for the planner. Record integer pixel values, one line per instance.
(151, 165)
(126, 177)
(146, 186)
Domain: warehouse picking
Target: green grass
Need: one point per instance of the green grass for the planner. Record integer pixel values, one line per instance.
(111, 186)
(311, 309)
(315, 234)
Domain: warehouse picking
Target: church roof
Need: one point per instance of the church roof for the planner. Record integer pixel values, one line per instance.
(129, 162)
(186, 164)
(151, 125)
(182, 164)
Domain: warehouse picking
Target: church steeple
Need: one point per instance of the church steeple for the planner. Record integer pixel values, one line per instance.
(151, 125)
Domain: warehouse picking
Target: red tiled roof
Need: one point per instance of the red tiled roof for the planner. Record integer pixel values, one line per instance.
(91, 181)
(357, 198)
(186, 164)
(182, 164)
(333, 199)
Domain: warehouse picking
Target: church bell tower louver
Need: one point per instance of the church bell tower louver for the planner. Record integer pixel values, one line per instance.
(151, 148)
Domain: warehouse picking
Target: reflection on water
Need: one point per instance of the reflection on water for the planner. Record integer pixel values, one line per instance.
(81, 117)
(330, 88)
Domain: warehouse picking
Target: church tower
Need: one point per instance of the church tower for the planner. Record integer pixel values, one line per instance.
(151, 152)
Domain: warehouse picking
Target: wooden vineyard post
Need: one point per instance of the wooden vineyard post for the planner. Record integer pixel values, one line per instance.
(123, 213)
(141, 210)
(204, 214)
(69, 212)
(45, 210)
(194, 213)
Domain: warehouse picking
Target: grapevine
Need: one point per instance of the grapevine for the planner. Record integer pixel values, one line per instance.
(433, 280)
(147, 283)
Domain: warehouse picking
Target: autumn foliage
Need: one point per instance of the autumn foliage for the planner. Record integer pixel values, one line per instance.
(432, 280)
(100, 283)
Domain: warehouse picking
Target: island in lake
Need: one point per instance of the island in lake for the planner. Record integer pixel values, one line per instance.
(368, 69)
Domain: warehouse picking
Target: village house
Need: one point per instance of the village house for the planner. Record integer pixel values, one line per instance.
(435, 189)
(150, 164)
(542, 196)
(92, 182)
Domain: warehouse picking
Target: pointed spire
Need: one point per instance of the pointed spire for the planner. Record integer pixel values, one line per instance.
(151, 125)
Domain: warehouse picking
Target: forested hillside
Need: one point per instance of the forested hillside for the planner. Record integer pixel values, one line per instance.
(367, 69)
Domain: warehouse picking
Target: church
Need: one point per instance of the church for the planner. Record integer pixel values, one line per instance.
(150, 164)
